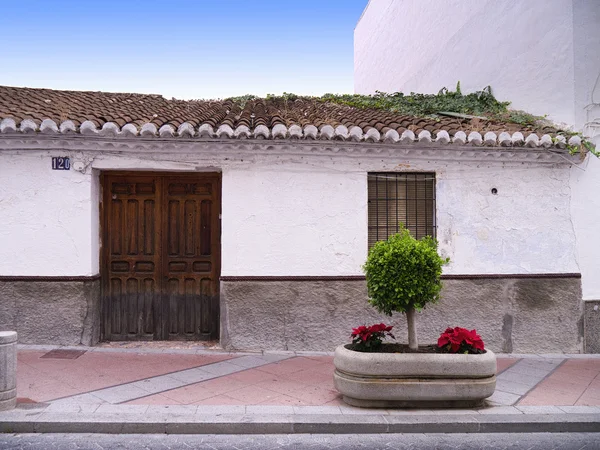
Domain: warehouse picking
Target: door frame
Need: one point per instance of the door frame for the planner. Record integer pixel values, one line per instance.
(161, 324)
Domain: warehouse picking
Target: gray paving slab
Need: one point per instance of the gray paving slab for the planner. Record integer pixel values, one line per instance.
(159, 384)
(531, 370)
(503, 398)
(121, 394)
(222, 368)
(79, 399)
(219, 410)
(412, 412)
(192, 376)
(182, 419)
(513, 387)
(72, 407)
(275, 357)
(351, 410)
(120, 409)
(250, 362)
(317, 410)
(516, 377)
(539, 409)
(168, 410)
(580, 409)
(500, 410)
(269, 409)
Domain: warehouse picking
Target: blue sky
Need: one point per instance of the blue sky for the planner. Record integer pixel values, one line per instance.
(180, 48)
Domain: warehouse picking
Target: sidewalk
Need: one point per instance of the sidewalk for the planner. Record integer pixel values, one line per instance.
(201, 391)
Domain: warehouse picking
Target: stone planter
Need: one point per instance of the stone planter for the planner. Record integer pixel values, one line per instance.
(381, 380)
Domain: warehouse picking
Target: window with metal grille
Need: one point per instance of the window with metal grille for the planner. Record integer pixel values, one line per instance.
(401, 198)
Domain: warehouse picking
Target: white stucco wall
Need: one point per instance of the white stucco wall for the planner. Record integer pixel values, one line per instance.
(311, 219)
(542, 55)
(524, 228)
(585, 210)
(46, 218)
(294, 221)
(297, 215)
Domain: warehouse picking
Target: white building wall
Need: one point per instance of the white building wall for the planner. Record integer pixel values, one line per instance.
(585, 210)
(294, 221)
(542, 55)
(524, 228)
(523, 49)
(46, 218)
(302, 216)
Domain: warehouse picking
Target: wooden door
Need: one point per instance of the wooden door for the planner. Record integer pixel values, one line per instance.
(160, 256)
(190, 267)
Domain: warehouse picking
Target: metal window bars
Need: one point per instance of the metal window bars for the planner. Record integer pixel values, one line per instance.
(401, 198)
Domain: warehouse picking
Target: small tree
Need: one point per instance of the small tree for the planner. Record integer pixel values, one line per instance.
(403, 275)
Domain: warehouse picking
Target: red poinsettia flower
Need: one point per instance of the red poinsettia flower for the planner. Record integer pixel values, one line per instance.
(460, 339)
(369, 338)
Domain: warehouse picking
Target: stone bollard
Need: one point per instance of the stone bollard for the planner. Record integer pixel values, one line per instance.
(8, 370)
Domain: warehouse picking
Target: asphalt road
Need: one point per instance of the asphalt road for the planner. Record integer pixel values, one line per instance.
(541, 441)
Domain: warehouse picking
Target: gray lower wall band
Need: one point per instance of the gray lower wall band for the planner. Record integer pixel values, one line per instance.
(520, 315)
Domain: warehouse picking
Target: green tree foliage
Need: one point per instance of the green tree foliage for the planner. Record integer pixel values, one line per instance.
(403, 273)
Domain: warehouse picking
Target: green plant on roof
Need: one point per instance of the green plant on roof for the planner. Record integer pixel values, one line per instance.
(480, 104)
(403, 275)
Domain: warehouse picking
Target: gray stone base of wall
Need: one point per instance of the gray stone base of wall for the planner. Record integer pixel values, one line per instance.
(513, 315)
(591, 324)
(51, 312)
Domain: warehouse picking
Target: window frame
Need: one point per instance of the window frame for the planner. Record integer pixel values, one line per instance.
(408, 199)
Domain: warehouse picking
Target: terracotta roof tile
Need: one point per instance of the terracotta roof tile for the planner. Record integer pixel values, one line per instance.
(18, 104)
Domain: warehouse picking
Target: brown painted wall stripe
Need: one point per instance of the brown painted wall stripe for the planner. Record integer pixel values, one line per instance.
(303, 278)
(361, 277)
(51, 279)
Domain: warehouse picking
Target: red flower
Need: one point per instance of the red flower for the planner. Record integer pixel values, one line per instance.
(455, 339)
(369, 338)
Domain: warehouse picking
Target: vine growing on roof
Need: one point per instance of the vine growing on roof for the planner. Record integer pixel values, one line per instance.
(481, 104)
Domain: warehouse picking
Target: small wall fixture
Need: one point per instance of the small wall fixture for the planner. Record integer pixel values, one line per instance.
(494, 191)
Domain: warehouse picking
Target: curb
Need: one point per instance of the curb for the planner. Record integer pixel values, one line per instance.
(293, 424)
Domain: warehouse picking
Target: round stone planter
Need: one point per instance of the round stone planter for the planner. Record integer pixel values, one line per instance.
(384, 380)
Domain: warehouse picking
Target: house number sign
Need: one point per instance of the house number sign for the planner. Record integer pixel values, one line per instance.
(61, 163)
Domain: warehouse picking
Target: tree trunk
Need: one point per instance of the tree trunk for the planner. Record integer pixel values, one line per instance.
(411, 320)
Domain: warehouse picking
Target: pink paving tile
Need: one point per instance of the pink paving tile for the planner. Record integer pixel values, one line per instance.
(222, 385)
(97, 370)
(252, 395)
(323, 359)
(587, 401)
(336, 401)
(575, 382)
(311, 377)
(219, 400)
(555, 399)
(156, 399)
(253, 376)
(28, 355)
(290, 365)
(583, 380)
(47, 391)
(285, 400)
(190, 394)
(504, 363)
(326, 368)
(315, 395)
(281, 386)
(553, 384)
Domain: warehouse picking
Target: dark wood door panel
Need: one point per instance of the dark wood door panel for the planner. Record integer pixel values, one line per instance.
(131, 210)
(161, 256)
(190, 262)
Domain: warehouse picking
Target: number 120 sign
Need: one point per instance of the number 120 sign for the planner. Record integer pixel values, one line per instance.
(61, 163)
